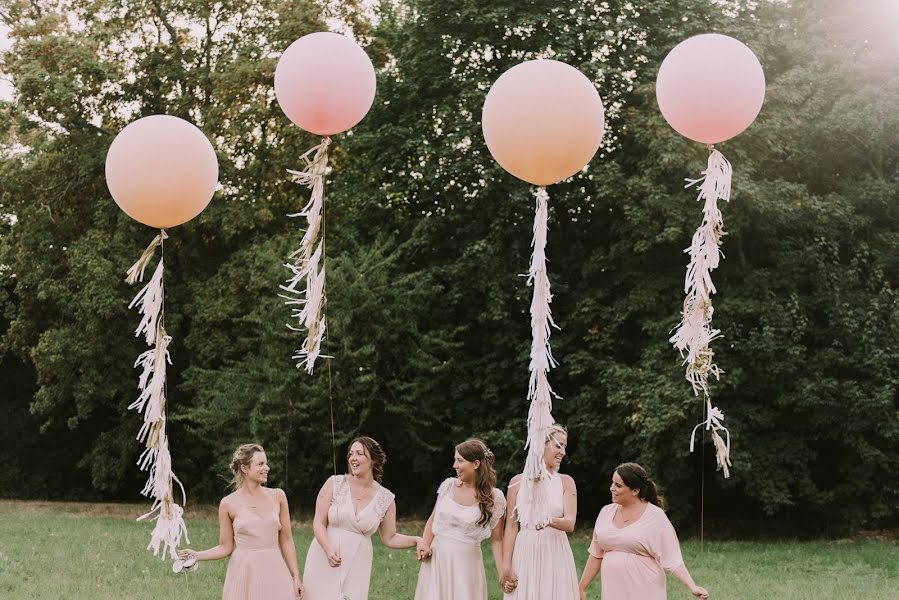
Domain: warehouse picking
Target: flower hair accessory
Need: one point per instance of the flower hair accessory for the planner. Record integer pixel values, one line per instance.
(487, 453)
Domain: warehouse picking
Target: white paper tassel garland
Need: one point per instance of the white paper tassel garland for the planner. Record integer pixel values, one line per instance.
(694, 335)
(151, 403)
(306, 262)
(540, 393)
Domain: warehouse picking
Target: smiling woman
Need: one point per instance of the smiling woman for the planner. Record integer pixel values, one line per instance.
(469, 510)
(633, 542)
(349, 509)
(537, 560)
(254, 530)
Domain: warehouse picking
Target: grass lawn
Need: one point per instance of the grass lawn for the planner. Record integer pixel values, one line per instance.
(96, 551)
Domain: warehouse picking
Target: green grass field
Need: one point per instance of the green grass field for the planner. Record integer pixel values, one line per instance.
(95, 551)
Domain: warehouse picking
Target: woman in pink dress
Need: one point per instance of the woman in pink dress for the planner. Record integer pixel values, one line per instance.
(537, 559)
(634, 543)
(349, 510)
(469, 510)
(254, 530)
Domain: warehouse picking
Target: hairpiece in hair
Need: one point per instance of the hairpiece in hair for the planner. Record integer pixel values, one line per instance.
(487, 453)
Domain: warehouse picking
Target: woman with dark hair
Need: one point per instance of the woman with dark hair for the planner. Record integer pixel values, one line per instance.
(634, 543)
(469, 509)
(348, 510)
(254, 530)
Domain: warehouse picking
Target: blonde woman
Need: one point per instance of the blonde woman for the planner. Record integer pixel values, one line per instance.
(254, 530)
(349, 510)
(537, 559)
(469, 509)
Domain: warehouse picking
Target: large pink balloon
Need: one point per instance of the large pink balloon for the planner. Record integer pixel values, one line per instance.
(161, 170)
(543, 121)
(710, 88)
(325, 83)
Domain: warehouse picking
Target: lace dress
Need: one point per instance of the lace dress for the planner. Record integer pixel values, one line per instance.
(455, 570)
(542, 558)
(350, 534)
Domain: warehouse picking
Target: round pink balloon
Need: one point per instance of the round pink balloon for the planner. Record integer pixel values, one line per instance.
(325, 83)
(710, 88)
(543, 121)
(161, 170)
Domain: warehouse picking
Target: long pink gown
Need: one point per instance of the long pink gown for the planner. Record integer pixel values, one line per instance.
(455, 570)
(350, 534)
(542, 558)
(634, 556)
(256, 569)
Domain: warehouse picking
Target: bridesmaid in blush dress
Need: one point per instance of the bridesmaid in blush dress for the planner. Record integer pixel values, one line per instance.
(469, 510)
(538, 562)
(634, 543)
(348, 511)
(254, 530)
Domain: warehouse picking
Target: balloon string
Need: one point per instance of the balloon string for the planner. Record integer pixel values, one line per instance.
(327, 357)
(702, 487)
(327, 140)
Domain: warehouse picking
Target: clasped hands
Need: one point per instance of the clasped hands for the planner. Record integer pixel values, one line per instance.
(508, 581)
(422, 550)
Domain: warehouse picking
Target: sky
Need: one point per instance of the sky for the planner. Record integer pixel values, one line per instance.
(5, 87)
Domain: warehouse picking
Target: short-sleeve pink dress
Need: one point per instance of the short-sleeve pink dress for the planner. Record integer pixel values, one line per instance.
(350, 534)
(455, 570)
(634, 556)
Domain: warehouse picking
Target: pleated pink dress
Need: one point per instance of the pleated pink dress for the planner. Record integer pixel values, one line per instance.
(256, 569)
(542, 558)
(455, 570)
(635, 557)
(350, 534)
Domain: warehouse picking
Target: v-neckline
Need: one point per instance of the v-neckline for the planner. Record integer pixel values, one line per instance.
(618, 508)
(349, 489)
(249, 509)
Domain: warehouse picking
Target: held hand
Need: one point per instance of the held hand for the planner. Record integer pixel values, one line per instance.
(582, 594)
(422, 550)
(298, 587)
(334, 558)
(187, 553)
(700, 592)
(509, 580)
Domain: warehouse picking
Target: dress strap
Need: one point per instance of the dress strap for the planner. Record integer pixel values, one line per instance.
(339, 487)
(382, 502)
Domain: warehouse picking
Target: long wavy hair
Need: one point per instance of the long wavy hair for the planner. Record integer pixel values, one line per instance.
(375, 453)
(635, 477)
(243, 457)
(484, 476)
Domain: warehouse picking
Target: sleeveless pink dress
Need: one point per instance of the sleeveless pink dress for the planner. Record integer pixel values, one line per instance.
(256, 569)
(542, 558)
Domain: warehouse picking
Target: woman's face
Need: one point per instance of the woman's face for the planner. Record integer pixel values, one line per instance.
(621, 494)
(465, 469)
(359, 460)
(257, 470)
(554, 450)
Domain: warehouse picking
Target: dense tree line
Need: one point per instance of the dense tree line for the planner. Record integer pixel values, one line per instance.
(427, 236)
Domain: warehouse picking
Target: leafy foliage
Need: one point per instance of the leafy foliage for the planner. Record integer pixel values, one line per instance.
(428, 318)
